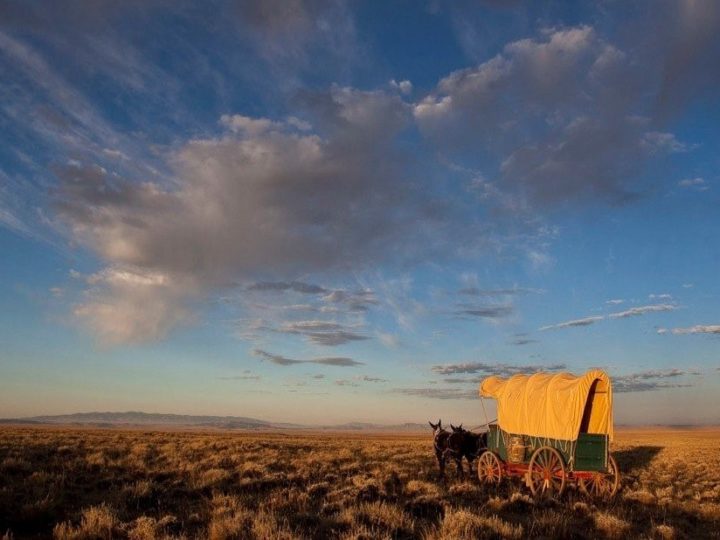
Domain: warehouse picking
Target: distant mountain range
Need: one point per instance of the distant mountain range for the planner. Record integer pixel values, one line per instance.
(135, 418)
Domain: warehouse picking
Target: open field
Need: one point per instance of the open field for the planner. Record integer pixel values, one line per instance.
(85, 483)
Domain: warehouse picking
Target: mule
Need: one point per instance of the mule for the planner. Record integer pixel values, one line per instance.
(464, 444)
(440, 439)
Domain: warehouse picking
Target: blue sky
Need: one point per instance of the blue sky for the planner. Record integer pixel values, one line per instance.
(326, 211)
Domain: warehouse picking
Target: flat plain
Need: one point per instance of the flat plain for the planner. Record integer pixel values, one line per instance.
(79, 483)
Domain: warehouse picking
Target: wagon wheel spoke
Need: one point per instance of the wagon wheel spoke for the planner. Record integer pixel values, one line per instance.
(602, 484)
(547, 472)
(489, 468)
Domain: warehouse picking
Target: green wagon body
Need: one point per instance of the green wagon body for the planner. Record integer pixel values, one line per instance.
(588, 453)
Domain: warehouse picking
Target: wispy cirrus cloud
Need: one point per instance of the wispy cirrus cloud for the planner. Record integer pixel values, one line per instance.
(631, 312)
(513, 291)
(697, 329)
(585, 321)
(339, 361)
(642, 310)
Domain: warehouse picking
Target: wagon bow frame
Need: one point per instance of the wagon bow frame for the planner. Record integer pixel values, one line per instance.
(553, 429)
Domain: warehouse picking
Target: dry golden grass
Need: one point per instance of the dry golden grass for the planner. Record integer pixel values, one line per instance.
(97, 484)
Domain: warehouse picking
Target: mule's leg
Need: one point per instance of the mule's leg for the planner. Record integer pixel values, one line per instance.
(441, 463)
(470, 459)
(460, 469)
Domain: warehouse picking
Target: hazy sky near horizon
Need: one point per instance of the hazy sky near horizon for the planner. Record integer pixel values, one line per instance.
(326, 211)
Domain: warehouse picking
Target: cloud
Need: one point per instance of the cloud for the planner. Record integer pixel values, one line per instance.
(697, 329)
(345, 382)
(656, 141)
(698, 184)
(562, 117)
(389, 340)
(405, 87)
(357, 301)
(663, 296)
(642, 310)
(276, 358)
(367, 378)
(523, 341)
(437, 393)
(645, 381)
(322, 332)
(493, 369)
(296, 286)
(615, 302)
(485, 312)
(515, 291)
(326, 361)
(268, 198)
(131, 305)
(586, 321)
(241, 378)
(632, 312)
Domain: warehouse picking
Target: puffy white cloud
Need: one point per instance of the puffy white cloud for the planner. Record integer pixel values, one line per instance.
(131, 305)
(561, 115)
(404, 87)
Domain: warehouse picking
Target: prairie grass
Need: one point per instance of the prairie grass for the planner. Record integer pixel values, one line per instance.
(81, 484)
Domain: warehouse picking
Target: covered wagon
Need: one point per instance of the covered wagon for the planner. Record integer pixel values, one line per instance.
(552, 429)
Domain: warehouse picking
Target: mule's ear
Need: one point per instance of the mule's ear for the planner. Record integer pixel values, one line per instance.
(439, 423)
(460, 426)
(452, 427)
(431, 424)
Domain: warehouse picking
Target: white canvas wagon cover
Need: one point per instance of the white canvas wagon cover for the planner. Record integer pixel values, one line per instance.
(553, 405)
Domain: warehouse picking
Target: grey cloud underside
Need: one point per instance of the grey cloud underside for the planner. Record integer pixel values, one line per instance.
(297, 286)
(367, 378)
(326, 361)
(322, 332)
(492, 369)
(524, 341)
(437, 393)
(484, 312)
(650, 380)
(251, 201)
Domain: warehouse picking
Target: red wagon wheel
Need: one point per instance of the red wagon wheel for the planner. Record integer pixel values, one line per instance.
(489, 468)
(546, 472)
(602, 484)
